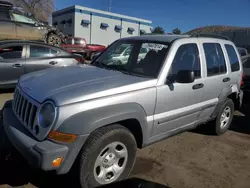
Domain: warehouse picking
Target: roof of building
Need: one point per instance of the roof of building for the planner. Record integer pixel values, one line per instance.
(86, 10)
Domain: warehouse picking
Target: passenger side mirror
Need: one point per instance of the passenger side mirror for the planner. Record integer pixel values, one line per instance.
(185, 76)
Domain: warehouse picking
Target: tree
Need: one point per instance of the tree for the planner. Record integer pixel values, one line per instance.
(176, 31)
(158, 30)
(41, 9)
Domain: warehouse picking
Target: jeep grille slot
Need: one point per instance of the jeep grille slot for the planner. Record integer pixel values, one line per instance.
(24, 110)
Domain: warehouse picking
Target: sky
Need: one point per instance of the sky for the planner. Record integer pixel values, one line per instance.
(169, 14)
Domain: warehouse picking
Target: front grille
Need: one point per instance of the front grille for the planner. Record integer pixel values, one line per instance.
(24, 110)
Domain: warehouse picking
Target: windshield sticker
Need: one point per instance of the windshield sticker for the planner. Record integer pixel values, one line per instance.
(153, 46)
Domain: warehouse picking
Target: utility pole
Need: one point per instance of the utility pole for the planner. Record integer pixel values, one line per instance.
(110, 5)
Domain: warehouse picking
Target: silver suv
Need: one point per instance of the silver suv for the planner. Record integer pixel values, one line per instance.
(94, 117)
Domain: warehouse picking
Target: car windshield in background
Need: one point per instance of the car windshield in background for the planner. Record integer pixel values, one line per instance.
(139, 58)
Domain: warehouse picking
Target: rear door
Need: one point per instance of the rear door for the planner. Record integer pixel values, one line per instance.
(40, 57)
(217, 74)
(12, 62)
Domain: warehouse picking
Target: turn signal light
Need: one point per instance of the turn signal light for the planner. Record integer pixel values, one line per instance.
(57, 162)
(62, 137)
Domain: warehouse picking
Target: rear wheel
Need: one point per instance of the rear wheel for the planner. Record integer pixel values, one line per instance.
(108, 156)
(225, 117)
(54, 39)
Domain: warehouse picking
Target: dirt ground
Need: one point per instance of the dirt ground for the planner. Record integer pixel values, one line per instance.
(194, 159)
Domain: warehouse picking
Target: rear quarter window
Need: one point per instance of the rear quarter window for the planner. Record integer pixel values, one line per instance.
(233, 58)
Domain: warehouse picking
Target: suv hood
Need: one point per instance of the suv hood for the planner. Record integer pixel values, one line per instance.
(66, 85)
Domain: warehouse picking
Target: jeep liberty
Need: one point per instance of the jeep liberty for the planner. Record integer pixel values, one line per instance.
(92, 118)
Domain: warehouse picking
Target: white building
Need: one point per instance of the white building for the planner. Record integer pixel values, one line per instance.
(96, 26)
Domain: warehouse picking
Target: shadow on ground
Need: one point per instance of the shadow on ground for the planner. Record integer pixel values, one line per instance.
(14, 171)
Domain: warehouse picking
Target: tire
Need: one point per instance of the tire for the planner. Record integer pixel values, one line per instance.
(54, 39)
(227, 110)
(114, 136)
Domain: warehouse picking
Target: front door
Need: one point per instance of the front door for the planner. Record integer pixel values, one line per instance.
(179, 104)
(12, 61)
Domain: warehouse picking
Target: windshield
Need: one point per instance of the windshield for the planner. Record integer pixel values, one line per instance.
(142, 59)
(22, 18)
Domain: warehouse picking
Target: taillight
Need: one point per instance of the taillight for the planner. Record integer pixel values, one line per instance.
(242, 80)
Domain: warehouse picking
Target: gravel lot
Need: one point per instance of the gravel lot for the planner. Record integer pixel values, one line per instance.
(192, 159)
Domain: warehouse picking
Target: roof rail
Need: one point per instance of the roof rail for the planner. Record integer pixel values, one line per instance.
(212, 35)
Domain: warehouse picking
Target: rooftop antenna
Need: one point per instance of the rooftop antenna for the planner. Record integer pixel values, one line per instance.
(110, 5)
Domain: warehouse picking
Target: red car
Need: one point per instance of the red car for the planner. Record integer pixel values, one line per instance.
(79, 45)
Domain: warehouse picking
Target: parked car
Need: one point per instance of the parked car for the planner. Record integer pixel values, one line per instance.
(75, 45)
(246, 72)
(18, 57)
(96, 116)
(242, 51)
(91, 49)
(14, 24)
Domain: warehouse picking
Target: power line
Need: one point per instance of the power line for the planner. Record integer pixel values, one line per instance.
(110, 5)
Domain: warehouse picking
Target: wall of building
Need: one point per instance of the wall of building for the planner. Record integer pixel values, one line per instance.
(93, 33)
(67, 28)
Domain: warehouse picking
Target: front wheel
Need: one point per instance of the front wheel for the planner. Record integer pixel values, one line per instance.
(108, 156)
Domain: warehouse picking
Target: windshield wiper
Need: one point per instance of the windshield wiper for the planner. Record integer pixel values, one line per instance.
(120, 69)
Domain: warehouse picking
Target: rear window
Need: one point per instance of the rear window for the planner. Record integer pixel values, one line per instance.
(69, 41)
(79, 41)
(233, 58)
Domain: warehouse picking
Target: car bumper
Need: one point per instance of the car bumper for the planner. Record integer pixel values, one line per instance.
(39, 154)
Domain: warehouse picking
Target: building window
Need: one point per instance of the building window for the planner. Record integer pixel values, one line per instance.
(118, 28)
(131, 30)
(104, 26)
(142, 31)
(55, 24)
(69, 21)
(85, 23)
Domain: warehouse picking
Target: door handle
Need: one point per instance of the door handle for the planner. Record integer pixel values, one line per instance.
(226, 80)
(198, 86)
(53, 63)
(17, 65)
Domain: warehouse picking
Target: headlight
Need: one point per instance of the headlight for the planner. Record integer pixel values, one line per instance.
(46, 114)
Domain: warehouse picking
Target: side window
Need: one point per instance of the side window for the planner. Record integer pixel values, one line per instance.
(40, 51)
(11, 52)
(4, 15)
(215, 60)
(233, 58)
(186, 58)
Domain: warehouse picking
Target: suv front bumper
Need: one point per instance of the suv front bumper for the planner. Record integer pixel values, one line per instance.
(39, 154)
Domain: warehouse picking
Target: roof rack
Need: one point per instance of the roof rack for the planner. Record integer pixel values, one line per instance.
(212, 35)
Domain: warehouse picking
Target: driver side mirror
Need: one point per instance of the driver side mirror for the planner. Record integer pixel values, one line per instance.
(185, 76)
